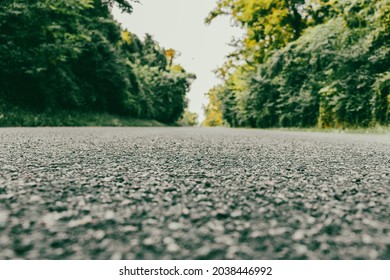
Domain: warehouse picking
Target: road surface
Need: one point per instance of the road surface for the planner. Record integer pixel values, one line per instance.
(193, 193)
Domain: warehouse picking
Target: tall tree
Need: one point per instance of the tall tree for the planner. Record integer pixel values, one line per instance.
(335, 74)
(73, 55)
(269, 24)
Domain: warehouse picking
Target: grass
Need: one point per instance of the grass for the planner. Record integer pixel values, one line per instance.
(378, 129)
(19, 118)
(358, 130)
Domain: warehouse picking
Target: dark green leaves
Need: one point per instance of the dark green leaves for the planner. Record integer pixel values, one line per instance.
(70, 55)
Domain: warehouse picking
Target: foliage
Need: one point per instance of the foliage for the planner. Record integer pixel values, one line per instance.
(270, 24)
(161, 85)
(381, 99)
(11, 117)
(189, 119)
(334, 75)
(213, 110)
(72, 55)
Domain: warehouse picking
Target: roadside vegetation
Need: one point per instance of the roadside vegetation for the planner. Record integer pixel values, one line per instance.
(71, 58)
(19, 117)
(189, 119)
(305, 64)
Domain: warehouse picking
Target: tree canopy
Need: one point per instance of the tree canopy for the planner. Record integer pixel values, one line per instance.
(72, 55)
(305, 63)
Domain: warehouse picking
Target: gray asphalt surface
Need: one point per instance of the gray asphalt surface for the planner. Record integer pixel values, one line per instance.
(193, 193)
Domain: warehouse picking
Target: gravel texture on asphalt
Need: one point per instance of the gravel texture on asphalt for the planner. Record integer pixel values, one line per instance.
(193, 193)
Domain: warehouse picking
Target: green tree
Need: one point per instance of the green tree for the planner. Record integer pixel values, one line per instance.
(213, 110)
(189, 119)
(161, 84)
(72, 55)
(270, 24)
(55, 54)
(334, 75)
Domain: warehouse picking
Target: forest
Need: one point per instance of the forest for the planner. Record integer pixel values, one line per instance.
(304, 63)
(72, 56)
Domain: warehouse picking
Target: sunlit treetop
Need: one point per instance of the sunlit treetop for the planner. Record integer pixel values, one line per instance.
(270, 24)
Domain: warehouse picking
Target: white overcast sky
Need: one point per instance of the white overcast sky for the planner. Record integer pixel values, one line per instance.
(179, 24)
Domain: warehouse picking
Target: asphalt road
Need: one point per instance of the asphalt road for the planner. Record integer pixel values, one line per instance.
(193, 193)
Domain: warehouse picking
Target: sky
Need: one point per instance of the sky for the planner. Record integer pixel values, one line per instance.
(179, 24)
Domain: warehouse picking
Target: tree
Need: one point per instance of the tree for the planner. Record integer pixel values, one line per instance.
(334, 75)
(189, 119)
(213, 110)
(269, 24)
(72, 55)
(162, 85)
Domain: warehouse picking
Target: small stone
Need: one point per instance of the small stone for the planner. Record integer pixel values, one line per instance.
(300, 249)
(35, 198)
(116, 256)
(150, 222)
(109, 215)
(125, 202)
(224, 239)
(231, 253)
(277, 231)
(373, 254)
(310, 220)
(366, 239)
(298, 235)
(257, 234)
(129, 229)
(269, 183)
(216, 226)
(185, 211)
(148, 241)
(99, 235)
(168, 240)
(4, 240)
(173, 248)
(108, 179)
(3, 218)
(204, 251)
(50, 219)
(236, 214)
(80, 222)
(372, 204)
(7, 254)
(175, 226)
